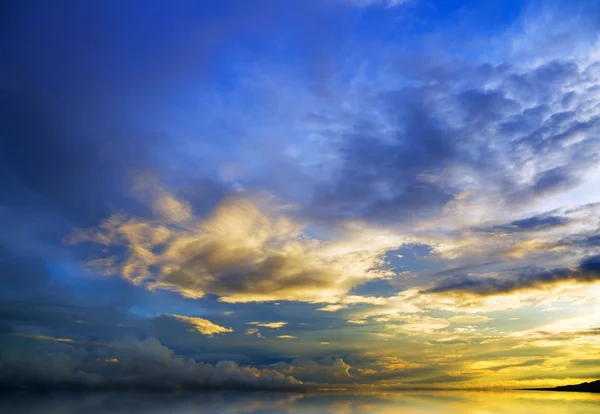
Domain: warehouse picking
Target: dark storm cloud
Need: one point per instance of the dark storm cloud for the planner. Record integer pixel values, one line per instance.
(587, 271)
(409, 151)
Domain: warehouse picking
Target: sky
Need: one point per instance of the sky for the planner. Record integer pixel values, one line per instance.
(294, 195)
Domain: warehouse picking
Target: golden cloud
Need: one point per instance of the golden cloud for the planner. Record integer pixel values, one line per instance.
(272, 325)
(245, 251)
(203, 326)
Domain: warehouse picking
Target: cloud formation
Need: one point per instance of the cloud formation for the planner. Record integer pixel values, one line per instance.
(132, 364)
(490, 132)
(317, 191)
(272, 325)
(588, 271)
(241, 253)
(200, 325)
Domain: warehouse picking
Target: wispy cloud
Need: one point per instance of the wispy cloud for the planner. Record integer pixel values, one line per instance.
(272, 325)
(588, 271)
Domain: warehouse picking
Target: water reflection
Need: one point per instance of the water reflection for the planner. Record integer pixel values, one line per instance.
(513, 402)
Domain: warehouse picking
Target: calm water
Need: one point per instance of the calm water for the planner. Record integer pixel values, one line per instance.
(513, 402)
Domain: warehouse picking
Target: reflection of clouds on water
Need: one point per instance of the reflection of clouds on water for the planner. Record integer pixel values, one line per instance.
(414, 402)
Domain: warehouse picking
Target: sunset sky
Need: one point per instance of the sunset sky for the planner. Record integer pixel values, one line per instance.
(289, 194)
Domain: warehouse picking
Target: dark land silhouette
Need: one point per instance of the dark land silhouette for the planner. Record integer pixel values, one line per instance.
(593, 386)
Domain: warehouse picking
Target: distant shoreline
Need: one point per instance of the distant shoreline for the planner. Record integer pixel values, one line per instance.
(593, 387)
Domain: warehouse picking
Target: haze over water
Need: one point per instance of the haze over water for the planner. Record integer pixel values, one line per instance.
(413, 402)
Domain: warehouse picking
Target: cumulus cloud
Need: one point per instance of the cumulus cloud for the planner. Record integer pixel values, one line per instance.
(128, 364)
(200, 325)
(242, 252)
(329, 370)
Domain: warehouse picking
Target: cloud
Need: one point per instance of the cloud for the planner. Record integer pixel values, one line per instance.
(357, 321)
(501, 133)
(521, 249)
(527, 363)
(287, 191)
(328, 370)
(142, 365)
(47, 338)
(588, 271)
(203, 326)
(349, 300)
(469, 319)
(537, 222)
(570, 328)
(272, 325)
(253, 331)
(417, 324)
(241, 252)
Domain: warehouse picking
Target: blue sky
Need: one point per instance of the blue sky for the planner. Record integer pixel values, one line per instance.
(298, 194)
